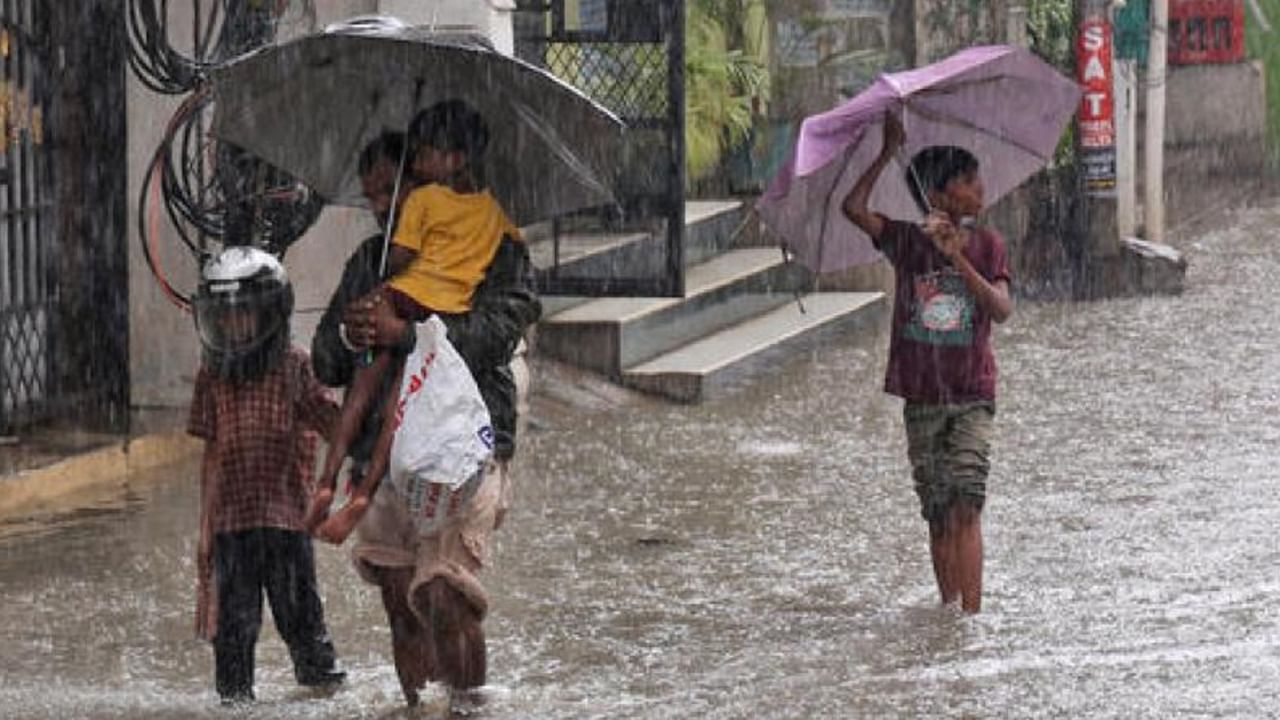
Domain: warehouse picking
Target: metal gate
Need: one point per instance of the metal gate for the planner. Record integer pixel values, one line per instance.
(63, 265)
(628, 55)
(25, 205)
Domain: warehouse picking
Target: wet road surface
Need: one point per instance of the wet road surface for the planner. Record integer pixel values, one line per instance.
(761, 556)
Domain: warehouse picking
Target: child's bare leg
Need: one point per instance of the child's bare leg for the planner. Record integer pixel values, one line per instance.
(965, 522)
(355, 405)
(942, 552)
(339, 526)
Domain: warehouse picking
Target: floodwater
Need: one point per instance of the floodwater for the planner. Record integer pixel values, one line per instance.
(761, 556)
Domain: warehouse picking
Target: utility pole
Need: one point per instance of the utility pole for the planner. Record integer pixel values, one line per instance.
(1096, 127)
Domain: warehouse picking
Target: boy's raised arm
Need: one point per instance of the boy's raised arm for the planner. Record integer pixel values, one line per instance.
(855, 203)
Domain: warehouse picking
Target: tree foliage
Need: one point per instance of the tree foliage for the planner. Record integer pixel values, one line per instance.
(726, 78)
(1051, 31)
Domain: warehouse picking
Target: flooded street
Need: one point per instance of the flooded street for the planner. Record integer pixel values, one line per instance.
(762, 555)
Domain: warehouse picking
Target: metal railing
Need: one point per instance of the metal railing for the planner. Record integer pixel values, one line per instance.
(63, 263)
(25, 225)
(628, 55)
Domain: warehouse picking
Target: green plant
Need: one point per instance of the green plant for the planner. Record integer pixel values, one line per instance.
(1052, 33)
(1265, 46)
(1049, 23)
(726, 78)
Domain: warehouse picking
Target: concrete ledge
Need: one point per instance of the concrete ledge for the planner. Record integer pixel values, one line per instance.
(608, 334)
(110, 466)
(709, 366)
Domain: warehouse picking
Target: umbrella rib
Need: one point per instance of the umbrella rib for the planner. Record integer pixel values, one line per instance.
(951, 89)
(826, 210)
(937, 117)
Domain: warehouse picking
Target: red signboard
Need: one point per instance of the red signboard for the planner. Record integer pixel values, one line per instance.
(1097, 108)
(1206, 31)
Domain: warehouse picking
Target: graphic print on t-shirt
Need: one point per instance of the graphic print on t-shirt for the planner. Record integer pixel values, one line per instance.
(941, 311)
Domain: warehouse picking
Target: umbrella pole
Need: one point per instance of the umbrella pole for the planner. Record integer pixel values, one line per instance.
(395, 193)
(367, 356)
(395, 205)
(911, 168)
(787, 258)
(915, 180)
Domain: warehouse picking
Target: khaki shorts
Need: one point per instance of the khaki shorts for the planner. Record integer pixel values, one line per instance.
(950, 451)
(387, 537)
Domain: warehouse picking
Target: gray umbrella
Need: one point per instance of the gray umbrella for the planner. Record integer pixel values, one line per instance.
(311, 105)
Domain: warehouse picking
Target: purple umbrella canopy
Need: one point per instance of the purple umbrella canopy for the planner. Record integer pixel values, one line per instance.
(1002, 103)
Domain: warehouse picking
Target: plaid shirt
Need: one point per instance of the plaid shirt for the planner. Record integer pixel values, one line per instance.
(260, 443)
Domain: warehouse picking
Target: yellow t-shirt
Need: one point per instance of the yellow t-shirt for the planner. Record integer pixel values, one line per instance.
(455, 236)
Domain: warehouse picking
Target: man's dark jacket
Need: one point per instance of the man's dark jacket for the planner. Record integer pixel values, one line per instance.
(504, 305)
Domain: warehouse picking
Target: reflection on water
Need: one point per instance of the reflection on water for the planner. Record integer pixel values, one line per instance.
(761, 556)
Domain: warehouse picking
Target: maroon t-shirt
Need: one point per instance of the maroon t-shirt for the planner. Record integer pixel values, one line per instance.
(940, 347)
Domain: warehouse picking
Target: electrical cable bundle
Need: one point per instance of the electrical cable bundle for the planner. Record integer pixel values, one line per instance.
(211, 191)
(161, 68)
(228, 29)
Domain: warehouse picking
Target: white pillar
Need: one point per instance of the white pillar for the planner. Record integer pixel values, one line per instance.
(1153, 201)
(491, 18)
(1126, 109)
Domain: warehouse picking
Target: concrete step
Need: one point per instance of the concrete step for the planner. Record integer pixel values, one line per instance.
(709, 229)
(608, 334)
(584, 249)
(711, 364)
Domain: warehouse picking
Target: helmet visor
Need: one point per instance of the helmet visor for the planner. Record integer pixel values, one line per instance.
(232, 321)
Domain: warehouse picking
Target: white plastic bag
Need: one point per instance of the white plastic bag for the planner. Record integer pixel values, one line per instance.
(443, 432)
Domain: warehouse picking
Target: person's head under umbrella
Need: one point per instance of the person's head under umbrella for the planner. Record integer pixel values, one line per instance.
(946, 178)
(447, 142)
(379, 167)
(242, 310)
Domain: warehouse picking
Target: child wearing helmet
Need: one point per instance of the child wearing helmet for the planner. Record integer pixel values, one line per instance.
(448, 234)
(258, 407)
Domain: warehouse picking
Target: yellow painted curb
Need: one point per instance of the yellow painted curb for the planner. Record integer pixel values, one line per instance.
(103, 468)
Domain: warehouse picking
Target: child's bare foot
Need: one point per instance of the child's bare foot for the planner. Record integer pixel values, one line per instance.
(318, 511)
(339, 525)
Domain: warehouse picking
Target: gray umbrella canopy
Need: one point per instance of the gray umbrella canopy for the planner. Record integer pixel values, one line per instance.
(311, 105)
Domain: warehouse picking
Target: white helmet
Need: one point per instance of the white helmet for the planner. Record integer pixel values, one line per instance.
(242, 312)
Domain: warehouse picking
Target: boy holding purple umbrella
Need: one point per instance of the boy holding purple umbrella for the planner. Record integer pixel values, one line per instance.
(952, 282)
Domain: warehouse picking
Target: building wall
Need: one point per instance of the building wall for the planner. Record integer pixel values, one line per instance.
(162, 346)
(945, 26)
(823, 53)
(163, 349)
(1215, 135)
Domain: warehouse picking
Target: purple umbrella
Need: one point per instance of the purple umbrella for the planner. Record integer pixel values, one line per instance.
(1003, 104)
